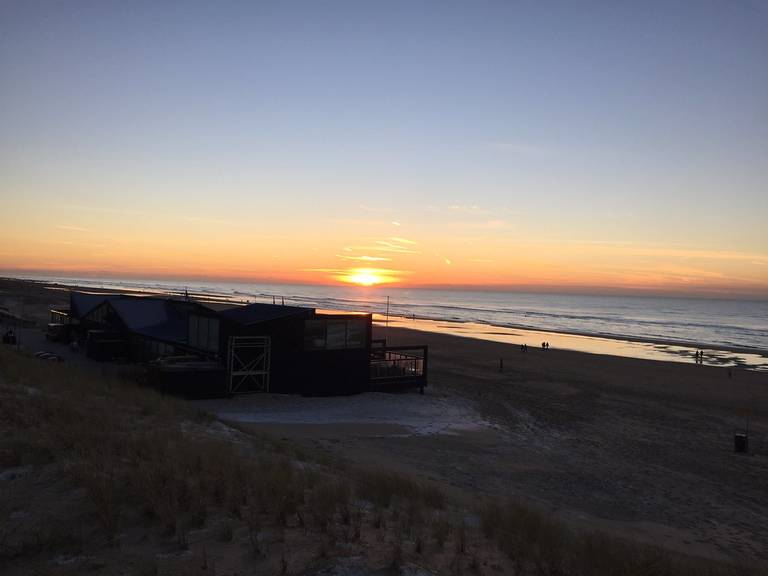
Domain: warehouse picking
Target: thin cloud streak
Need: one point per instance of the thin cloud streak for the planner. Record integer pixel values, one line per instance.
(364, 258)
(102, 210)
(73, 228)
(204, 220)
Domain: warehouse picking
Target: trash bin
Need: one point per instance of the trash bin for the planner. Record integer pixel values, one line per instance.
(740, 442)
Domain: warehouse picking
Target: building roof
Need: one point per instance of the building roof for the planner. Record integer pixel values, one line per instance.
(139, 313)
(81, 303)
(154, 317)
(167, 319)
(256, 313)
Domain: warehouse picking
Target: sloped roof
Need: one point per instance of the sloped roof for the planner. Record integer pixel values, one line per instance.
(153, 317)
(81, 303)
(156, 318)
(166, 319)
(138, 313)
(256, 313)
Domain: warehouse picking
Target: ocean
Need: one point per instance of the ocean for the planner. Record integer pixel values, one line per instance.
(738, 326)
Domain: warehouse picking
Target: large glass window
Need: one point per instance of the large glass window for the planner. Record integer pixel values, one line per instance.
(314, 334)
(335, 334)
(356, 332)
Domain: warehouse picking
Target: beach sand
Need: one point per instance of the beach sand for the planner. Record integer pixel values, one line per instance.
(641, 448)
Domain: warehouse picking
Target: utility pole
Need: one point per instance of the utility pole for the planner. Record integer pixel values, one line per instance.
(386, 322)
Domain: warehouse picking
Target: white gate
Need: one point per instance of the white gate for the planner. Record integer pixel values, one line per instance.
(249, 364)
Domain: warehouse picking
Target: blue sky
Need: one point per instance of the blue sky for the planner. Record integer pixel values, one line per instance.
(593, 122)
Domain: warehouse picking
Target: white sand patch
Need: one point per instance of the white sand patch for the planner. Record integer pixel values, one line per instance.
(421, 415)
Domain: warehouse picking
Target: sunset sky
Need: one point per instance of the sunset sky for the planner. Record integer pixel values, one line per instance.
(586, 146)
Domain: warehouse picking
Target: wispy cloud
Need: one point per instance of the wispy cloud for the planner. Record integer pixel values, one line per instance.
(642, 249)
(73, 228)
(402, 240)
(86, 244)
(205, 220)
(386, 246)
(102, 210)
(390, 248)
(364, 258)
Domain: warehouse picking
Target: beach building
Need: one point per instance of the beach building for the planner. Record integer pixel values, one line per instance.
(215, 349)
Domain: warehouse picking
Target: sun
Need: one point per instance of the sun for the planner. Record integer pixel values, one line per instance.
(364, 278)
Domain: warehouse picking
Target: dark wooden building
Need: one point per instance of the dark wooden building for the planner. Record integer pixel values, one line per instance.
(210, 349)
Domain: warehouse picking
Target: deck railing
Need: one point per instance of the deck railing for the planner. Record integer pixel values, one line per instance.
(399, 364)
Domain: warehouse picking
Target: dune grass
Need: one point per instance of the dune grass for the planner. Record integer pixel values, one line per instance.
(537, 543)
(137, 456)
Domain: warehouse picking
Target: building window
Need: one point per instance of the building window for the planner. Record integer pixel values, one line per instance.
(356, 332)
(335, 334)
(203, 332)
(314, 334)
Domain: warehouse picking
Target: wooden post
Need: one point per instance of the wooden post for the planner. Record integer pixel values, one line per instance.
(501, 364)
(386, 322)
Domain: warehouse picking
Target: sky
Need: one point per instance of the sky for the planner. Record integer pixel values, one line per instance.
(579, 146)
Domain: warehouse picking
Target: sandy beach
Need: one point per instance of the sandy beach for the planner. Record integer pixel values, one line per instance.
(640, 448)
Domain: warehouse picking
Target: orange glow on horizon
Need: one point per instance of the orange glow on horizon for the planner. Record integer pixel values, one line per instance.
(369, 254)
